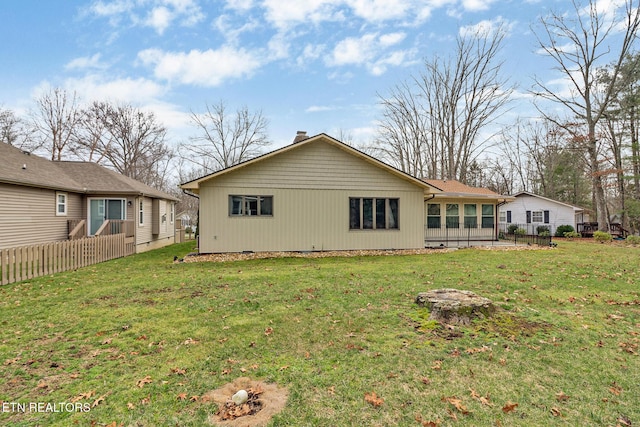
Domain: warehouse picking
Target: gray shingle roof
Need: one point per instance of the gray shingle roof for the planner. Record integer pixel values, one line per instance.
(18, 167)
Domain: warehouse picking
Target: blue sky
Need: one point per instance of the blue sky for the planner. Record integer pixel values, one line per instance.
(314, 65)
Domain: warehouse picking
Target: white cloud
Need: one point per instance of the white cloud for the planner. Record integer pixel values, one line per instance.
(241, 5)
(85, 62)
(285, 15)
(159, 14)
(96, 87)
(318, 109)
(354, 50)
(370, 50)
(159, 18)
(476, 5)
(380, 10)
(201, 68)
(391, 39)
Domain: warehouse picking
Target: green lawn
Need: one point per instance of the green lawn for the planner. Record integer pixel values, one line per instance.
(137, 341)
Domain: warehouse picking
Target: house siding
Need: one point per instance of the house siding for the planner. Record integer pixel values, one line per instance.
(146, 239)
(311, 187)
(558, 214)
(29, 215)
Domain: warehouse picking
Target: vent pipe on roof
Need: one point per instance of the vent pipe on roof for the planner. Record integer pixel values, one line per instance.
(301, 135)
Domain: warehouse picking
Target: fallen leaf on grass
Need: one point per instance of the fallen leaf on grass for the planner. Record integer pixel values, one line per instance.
(131, 406)
(437, 365)
(178, 371)
(143, 381)
(561, 397)
(623, 420)
(98, 401)
(81, 396)
(556, 412)
(181, 396)
(425, 423)
(615, 389)
(268, 331)
(457, 403)
(509, 407)
(373, 399)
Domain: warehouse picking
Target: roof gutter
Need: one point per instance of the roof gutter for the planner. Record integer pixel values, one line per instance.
(190, 194)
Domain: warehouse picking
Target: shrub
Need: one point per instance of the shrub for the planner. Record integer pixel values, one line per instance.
(571, 234)
(521, 232)
(602, 236)
(563, 229)
(542, 229)
(512, 229)
(632, 240)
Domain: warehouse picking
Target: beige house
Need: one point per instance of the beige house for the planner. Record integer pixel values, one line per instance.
(45, 201)
(316, 194)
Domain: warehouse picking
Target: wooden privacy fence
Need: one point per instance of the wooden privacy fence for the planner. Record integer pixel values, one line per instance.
(27, 262)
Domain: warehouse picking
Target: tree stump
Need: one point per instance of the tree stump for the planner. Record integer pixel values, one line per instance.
(455, 307)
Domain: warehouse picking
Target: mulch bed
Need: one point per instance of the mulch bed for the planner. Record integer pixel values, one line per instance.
(241, 256)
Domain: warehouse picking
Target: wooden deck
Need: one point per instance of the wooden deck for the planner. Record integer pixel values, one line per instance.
(586, 229)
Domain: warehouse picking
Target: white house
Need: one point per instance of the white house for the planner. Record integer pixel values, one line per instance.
(530, 211)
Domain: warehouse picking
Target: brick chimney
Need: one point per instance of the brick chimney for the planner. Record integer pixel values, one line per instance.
(301, 135)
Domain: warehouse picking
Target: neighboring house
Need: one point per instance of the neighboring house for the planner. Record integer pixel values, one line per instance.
(45, 201)
(319, 194)
(530, 211)
(461, 213)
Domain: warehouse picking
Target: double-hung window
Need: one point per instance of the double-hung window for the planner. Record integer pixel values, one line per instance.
(371, 213)
(433, 215)
(250, 205)
(487, 216)
(470, 216)
(61, 204)
(453, 215)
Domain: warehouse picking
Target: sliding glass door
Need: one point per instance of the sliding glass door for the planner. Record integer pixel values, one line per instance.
(101, 210)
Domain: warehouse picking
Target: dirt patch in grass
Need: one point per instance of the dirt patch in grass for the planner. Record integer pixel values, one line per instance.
(271, 400)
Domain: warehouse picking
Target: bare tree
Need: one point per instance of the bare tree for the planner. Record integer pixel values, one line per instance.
(433, 126)
(402, 132)
(577, 45)
(92, 136)
(55, 120)
(14, 131)
(225, 140)
(136, 145)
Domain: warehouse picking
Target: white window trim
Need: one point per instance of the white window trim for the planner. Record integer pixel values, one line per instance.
(65, 204)
(537, 220)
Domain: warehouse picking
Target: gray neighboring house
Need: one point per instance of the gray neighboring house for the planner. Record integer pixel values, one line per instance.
(46, 201)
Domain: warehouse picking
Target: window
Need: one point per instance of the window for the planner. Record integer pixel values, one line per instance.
(503, 216)
(536, 216)
(141, 213)
(251, 205)
(453, 215)
(369, 213)
(433, 215)
(172, 212)
(470, 216)
(61, 204)
(487, 216)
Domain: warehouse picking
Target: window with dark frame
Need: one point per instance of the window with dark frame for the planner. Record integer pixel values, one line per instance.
(470, 216)
(433, 215)
(373, 213)
(487, 216)
(250, 205)
(453, 215)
